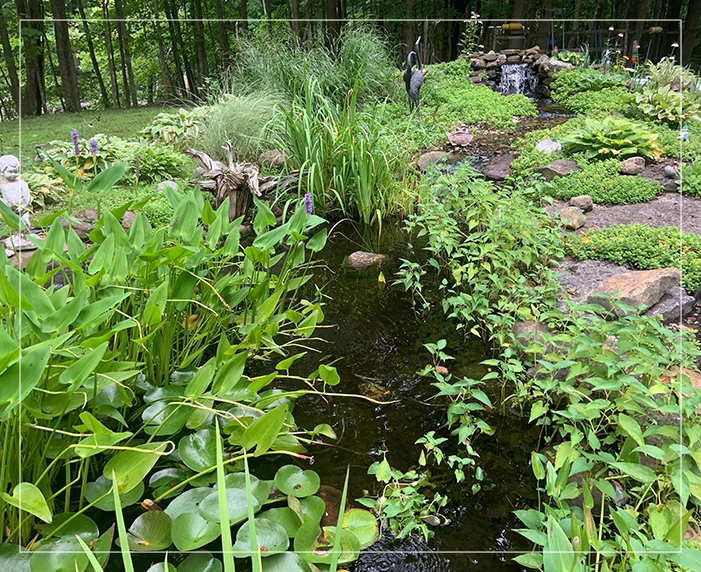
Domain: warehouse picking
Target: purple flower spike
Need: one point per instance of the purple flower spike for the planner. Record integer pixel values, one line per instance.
(308, 205)
(92, 146)
(75, 139)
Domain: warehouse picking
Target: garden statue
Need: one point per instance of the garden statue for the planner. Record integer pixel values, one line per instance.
(15, 194)
(414, 79)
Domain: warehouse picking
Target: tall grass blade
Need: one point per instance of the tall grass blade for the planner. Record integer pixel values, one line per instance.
(336, 554)
(255, 552)
(91, 557)
(121, 529)
(226, 543)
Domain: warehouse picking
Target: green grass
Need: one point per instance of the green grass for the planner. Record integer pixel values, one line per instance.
(39, 130)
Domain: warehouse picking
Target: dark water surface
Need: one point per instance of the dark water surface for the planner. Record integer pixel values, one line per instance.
(376, 341)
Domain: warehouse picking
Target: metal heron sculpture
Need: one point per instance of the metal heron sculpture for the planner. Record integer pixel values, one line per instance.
(414, 79)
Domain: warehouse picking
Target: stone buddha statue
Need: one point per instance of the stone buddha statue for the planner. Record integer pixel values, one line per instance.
(15, 192)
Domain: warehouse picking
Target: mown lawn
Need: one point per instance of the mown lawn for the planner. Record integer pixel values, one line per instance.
(38, 130)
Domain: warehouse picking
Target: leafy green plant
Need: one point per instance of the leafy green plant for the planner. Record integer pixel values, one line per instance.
(664, 105)
(178, 128)
(609, 99)
(642, 247)
(612, 137)
(602, 182)
(690, 182)
(578, 80)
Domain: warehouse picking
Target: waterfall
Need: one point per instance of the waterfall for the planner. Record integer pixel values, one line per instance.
(518, 78)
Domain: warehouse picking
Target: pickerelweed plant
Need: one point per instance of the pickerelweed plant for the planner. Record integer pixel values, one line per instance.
(121, 363)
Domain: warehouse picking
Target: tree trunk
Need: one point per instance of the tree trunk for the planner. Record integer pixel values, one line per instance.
(66, 63)
(54, 75)
(93, 59)
(34, 97)
(409, 25)
(223, 37)
(175, 46)
(202, 64)
(191, 79)
(124, 50)
(574, 38)
(544, 26)
(9, 60)
(114, 84)
(333, 26)
(244, 15)
(690, 32)
(517, 16)
(294, 14)
(165, 78)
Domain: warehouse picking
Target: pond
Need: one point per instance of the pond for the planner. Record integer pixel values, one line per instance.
(375, 340)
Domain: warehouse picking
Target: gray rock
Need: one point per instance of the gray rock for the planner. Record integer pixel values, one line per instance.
(583, 202)
(670, 172)
(172, 184)
(674, 304)
(273, 158)
(511, 52)
(459, 137)
(490, 57)
(534, 51)
(637, 288)
(499, 167)
(245, 230)
(90, 215)
(572, 218)
(476, 79)
(431, 158)
(501, 59)
(548, 146)
(81, 227)
(128, 220)
(632, 166)
(198, 172)
(579, 279)
(515, 59)
(557, 65)
(360, 260)
(559, 168)
(478, 63)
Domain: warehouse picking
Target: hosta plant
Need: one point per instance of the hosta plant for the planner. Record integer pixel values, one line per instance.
(612, 137)
(664, 105)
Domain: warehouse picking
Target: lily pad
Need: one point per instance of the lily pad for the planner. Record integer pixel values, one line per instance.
(309, 508)
(29, 498)
(200, 562)
(285, 517)
(15, 558)
(190, 531)
(237, 504)
(162, 567)
(271, 538)
(150, 531)
(187, 502)
(316, 545)
(101, 486)
(79, 525)
(64, 555)
(292, 480)
(363, 525)
(198, 450)
(285, 562)
(259, 489)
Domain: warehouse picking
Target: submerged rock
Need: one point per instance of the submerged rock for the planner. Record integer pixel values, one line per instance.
(360, 260)
(584, 202)
(499, 167)
(636, 288)
(559, 168)
(633, 166)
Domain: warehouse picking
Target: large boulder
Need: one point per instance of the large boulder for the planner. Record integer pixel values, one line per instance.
(559, 168)
(572, 217)
(172, 184)
(81, 227)
(637, 288)
(460, 137)
(674, 305)
(360, 260)
(633, 166)
(584, 202)
(499, 167)
(431, 158)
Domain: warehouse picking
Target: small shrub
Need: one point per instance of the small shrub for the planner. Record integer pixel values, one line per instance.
(610, 99)
(612, 137)
(177, 128)
(671, 145)
(156, 163)
(579, 80)
(602, 182)
(643, 248)
(691, 179)
(244, 120)
(664, 105)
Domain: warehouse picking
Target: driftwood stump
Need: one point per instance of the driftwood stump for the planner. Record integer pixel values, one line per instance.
(237, 181)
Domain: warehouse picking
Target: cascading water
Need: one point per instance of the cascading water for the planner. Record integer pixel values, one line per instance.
(518, 78)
